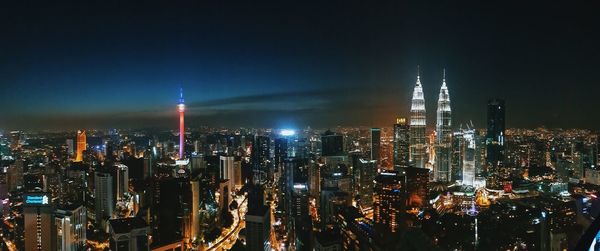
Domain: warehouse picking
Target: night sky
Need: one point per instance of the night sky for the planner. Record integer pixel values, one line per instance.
(293, 64)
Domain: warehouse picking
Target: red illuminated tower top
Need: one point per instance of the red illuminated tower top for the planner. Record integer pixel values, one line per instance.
(181, 110)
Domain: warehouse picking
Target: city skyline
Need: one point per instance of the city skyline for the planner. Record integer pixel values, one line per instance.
(287, 72)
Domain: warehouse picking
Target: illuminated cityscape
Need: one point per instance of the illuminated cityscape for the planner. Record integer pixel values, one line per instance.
(304, 127)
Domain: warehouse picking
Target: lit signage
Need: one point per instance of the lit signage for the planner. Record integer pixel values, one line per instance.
(36, 199)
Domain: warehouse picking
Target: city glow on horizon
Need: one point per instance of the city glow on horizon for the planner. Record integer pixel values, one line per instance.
(287, 132)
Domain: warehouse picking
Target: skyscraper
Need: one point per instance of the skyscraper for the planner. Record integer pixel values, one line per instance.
(495, 133)
(258, 218)
(81, 145)
(468, 167)
(332, 144)
(260, 156)
(103, 194)
(121, 174)
(401, 144)
(376, 144)
(38, 227)
(70, 221)
(416, 186)
(417, 126)
(443, 135)
(388, 200)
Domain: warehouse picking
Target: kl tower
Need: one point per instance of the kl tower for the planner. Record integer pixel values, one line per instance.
(181, 110)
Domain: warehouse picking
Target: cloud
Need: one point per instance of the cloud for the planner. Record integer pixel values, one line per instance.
(318, 108)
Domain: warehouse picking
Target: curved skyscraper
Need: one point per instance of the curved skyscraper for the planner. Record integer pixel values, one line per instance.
(417, 126)
(443, 139)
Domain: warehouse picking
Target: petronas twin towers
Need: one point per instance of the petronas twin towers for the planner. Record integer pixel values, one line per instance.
(443, 134)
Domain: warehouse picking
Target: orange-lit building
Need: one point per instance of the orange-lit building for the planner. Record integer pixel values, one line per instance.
(81, 145)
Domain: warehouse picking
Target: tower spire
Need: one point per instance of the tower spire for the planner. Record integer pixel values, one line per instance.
(181, 101)
(444, 78)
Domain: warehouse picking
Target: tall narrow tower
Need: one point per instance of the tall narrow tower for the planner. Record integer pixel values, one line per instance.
(443, 130)
(417, 126)
(181, 109)
(81, 145)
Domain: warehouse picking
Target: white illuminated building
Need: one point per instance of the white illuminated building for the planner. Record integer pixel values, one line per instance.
(443, 129)
(468, 172)
(418, 126)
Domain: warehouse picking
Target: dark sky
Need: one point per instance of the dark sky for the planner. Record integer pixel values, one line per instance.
(292, 63)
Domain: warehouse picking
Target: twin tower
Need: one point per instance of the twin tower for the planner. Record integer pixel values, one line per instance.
(439, 155)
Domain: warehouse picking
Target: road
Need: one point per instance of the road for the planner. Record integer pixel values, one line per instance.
(225, 242)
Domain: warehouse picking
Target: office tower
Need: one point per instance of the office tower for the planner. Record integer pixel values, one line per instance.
(331, 201)
(443, 135)
(469, 155)
(332, 144)
(70, 147)
(281, 148)
(81, 145)
(388, 200)
(148, 164)
(103, 197)
(300, 217)
(495, 133)
(70, 221)
(128, 234)
(418, 126)
(226, 170)
(38, 221)
(171, 216)
(238, 181)
(314, 178)
(3, 185)
(376, 144)
(258, 220)
(365, 172)
(181, 110)
(416, 187)
(15, 175)
(121, 181)
(260, 156)
(195, 216)
(401, 144)
(456, 154)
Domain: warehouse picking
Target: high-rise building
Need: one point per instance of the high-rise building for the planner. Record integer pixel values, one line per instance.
(38, 219)
(401, 144)
(103, 197)
(418, 138)
(70, 221)
(181, 110)
(376, 144)
(195, 215)
(469, 156)
(416, 187)
(226, 170)
(443, 130)
(332, 144)
(121, 174)
(364, 173)
(70, 147)
(388, 200)
(81, 145)
(260, 155)
(495, 133)
(128, 234)
(258, 218)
